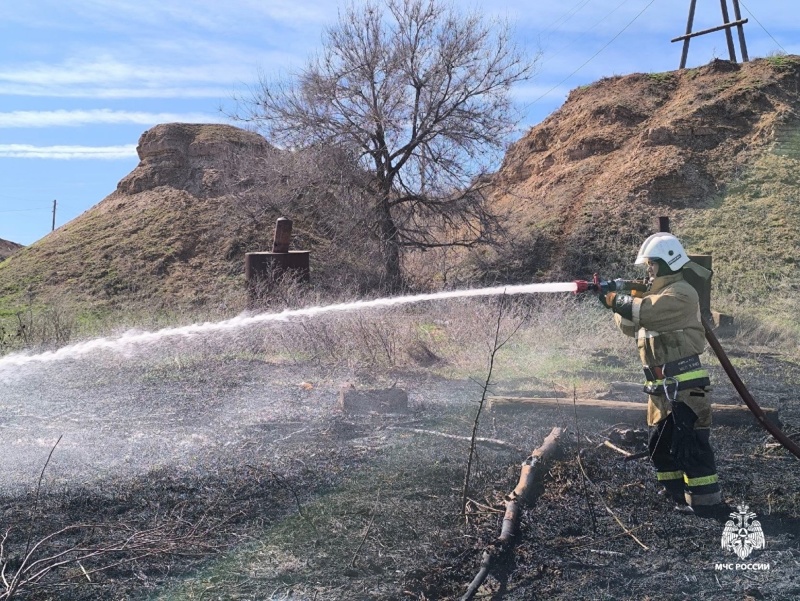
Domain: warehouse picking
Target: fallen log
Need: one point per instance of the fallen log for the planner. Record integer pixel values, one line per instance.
(530, 482)
(618, 411)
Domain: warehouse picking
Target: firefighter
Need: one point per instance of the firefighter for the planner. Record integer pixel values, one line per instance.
(665, 320)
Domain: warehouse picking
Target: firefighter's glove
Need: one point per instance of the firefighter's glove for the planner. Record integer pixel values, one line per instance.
(618, 303)
(619, 285)
(685, 449)
(607, 299)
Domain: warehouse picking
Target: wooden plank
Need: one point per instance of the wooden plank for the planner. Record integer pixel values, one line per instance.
(722, 414)
(726, 26)
(738, 14)
(728, 35)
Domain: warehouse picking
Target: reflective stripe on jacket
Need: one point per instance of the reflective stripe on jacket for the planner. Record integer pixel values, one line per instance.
(666, 325)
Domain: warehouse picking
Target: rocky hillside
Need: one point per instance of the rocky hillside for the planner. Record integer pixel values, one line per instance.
(582, 189)
(8, 248)
(175, 231)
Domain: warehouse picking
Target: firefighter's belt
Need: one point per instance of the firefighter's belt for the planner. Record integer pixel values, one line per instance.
(686, 372)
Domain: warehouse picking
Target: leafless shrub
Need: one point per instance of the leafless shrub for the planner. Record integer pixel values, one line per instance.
(29, 564)
(357, 341)
(276, 289)
(498, 342)
(39, 325)
(439, 268)
(324, 192)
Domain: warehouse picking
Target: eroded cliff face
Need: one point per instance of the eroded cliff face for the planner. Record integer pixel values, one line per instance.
(586, 184)
(176, 229)
(189, 157)
(160, 236)
(8, 248)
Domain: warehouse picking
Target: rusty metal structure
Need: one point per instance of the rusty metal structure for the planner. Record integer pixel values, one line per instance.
(263, 268)
(727, 25)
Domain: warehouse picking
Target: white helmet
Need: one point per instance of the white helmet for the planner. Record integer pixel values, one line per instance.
(665, 247)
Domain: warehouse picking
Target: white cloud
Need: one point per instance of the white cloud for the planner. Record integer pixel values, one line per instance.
(108, 70)
(116, 92)
(27, 151)
(126, 14)
(99, 116)
(166, 76)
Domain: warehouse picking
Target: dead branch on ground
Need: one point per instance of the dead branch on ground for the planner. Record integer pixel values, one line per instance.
(614, 447)
(97, 547)
(366, 531)
(531, 475)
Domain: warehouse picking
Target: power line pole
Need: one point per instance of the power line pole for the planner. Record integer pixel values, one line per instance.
(727, 26)
(55, 202)
(738, 14)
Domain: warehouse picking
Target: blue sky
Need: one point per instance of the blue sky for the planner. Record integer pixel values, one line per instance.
(80, 80)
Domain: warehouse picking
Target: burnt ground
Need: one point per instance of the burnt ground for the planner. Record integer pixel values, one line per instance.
(235, 479)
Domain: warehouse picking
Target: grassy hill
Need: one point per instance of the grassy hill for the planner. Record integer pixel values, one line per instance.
(175, 232)
(715, 148)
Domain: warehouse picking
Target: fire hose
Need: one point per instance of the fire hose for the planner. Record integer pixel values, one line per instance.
(748, 399)
(512, 507)
(601, 286)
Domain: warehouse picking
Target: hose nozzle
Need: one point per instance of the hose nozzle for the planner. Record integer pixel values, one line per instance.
(596, 285)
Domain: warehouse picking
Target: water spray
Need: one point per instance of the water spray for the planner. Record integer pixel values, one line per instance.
(134, 338)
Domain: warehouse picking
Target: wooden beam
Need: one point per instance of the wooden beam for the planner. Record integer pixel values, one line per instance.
(610, 409)
(713, 29)
(738, 14)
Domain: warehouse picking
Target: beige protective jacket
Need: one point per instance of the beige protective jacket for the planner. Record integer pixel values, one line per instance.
(666, 325)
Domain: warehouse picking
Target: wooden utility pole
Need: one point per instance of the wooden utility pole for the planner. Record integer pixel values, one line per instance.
(55, 202)
(740, 30)
(727, 25)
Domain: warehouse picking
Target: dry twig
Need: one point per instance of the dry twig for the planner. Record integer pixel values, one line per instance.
(106, 545)
(611, 513)
(614, 447)
(478, 439)
(485, 389)
(366, 532)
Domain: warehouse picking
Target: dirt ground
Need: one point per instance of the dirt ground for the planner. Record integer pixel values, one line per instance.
(235, 479)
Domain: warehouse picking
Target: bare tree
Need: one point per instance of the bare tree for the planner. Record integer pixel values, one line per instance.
(420, 95)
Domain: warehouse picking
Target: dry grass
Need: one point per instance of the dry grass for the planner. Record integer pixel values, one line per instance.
(373, 507)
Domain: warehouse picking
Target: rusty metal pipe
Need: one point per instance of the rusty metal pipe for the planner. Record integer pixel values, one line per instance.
(748, 399)
(283, 235)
